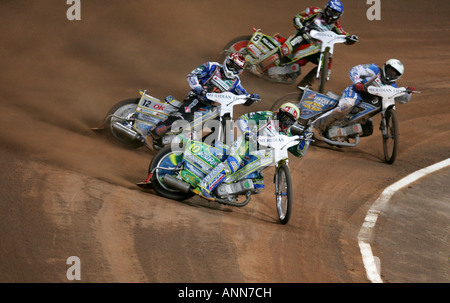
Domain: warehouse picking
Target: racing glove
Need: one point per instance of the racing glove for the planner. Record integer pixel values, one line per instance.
(304, 32)
(352, 39)
(249, 136)
(359, 87)
(252, 99)
(199, 90)
(410, 89)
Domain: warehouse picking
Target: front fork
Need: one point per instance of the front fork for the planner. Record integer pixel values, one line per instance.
(383, 123)
(285, 162)
(321, 63)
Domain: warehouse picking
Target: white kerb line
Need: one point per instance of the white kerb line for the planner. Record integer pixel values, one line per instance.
(365, 234)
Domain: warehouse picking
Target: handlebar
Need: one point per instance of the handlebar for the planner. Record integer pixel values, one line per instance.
(409, 91)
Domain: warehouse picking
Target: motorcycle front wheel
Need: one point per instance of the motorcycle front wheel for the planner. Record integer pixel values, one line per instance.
(283, 193)
(120, 114)
(166, 158)
(390, 135)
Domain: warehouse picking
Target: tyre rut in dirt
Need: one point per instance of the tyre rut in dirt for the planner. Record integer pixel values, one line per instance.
(283, 193)
(122, 109)
(169, 159)
(291, 97)
(390, 141)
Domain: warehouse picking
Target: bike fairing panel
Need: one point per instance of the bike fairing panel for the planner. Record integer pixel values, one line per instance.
(199, 159)
(313, 104)
(151, 110)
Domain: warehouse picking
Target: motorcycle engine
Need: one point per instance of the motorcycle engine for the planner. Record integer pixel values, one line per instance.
(242, 186)
(283, 72)
(339, 133)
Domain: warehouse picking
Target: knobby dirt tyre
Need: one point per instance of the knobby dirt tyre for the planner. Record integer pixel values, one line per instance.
(283, 193)
(391, 139)
(169, 159)
(122, 109)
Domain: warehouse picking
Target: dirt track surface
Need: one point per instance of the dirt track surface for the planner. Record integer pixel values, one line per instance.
(67, 191)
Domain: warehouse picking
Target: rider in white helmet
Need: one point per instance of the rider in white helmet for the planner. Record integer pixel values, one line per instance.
(362, 76)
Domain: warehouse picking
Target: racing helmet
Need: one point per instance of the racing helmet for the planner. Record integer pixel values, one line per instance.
(287, 115)
(333, 11)
(392, 70)
(233, 65)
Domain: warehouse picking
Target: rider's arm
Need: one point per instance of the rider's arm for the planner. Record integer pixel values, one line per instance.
(306, 17)
(237, 88)
(339, 29)
(247, 125)
(251, 123)
(300, 149)
(351, 39)
(403, 98)
(202, 72)
(363, 73)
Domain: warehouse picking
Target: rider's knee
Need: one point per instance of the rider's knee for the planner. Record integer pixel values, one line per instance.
(346, 103)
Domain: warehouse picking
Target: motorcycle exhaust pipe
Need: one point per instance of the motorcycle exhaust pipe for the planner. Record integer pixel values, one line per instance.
(127, 132)
(176, 183)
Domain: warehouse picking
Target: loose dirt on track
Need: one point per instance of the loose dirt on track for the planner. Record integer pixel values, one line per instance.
(67, 191)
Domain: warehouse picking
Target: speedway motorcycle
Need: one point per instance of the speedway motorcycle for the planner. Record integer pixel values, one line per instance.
(348, 131)
(176, 173)
(129, 121)
(261, 55)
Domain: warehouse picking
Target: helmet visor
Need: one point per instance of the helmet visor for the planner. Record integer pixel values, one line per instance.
(233, 67)
(332, 14)
(285, 120)
(391, 73)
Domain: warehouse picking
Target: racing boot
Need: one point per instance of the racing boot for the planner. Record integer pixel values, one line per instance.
(157, 133)
(159, 130)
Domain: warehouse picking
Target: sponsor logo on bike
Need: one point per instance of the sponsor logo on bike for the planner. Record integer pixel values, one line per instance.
(254, 50)
(268, 43)
(312, 106)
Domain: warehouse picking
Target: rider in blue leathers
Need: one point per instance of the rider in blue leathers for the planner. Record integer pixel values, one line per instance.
(362, 76)
(210, 77)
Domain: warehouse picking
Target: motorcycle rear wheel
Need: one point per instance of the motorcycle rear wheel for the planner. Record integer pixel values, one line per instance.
(122, 109)
(390, 140)
(283, 193)
(168, 159)
(238, 44)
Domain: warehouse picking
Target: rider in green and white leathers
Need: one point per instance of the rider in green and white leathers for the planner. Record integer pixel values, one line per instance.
(245, 158)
